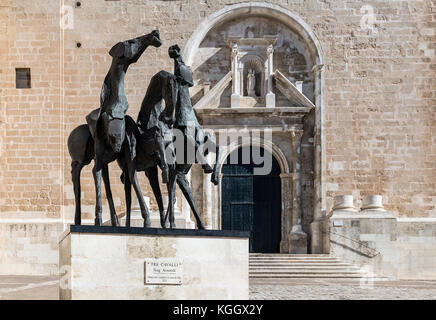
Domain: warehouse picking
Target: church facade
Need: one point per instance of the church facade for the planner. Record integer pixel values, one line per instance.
(337, 97)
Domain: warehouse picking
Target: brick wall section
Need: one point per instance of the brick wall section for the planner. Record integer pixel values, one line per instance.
(380, 93)
(31, 123)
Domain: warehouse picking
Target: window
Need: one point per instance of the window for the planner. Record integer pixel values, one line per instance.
(22, 78)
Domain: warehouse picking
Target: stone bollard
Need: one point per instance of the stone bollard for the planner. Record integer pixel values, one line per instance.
(344, 203)
(373, 202)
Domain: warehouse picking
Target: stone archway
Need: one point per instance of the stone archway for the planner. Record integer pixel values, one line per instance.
(252, 202)
(286, 180)
(305, 34)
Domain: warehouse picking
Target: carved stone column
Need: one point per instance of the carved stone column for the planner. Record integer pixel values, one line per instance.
(270, 96)
(236, 94)
(286, 180)
(298, 241)
(320, 240)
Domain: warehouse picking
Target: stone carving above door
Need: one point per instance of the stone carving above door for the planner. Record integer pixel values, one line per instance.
(264, 46)
(252, 58)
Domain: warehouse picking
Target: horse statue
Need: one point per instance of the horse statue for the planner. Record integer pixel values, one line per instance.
(108, 135)
(154, 124)
(151, 145)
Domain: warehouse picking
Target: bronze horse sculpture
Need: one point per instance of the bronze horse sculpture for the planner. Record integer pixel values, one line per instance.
(108, 135)
(112, 135)
(153, 125)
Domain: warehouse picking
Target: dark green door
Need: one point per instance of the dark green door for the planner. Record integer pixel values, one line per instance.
(252, 202)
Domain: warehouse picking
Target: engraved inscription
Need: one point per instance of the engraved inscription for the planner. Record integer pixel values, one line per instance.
(164, 271)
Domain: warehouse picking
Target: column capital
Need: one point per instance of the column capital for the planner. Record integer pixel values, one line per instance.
(317, 68)
(296, 134)
(235, 49)
(289, 176)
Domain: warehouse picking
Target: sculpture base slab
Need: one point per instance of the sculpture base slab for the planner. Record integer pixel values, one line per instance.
(111, 263)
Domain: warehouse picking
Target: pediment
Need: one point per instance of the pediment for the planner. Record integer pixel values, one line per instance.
(291, 92)
(296, 99)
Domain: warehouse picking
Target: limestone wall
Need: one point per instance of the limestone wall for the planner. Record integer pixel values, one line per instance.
(382, 244)
(379, 93)
(29, 248)
(416, 247)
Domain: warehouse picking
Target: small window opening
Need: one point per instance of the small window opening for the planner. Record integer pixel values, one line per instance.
(22, 78)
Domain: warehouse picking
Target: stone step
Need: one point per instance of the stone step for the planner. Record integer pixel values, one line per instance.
(313, 275)
(280, 266)
(270, 267)
(274, 268)
(304, 271)
(289, 255)
(292, 258)
(295, 256)
(298, 263)
(294, 261)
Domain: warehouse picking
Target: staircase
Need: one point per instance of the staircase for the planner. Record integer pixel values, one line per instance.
(286, 266)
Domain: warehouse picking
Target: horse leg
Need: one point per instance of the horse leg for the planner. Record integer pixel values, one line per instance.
(163, 159)
(152, 176)
(76, 169)
(131, 165)
(214, 178)
(97, 171)
(128, 194)
(107, 185)
(184, 186)
(171, 198)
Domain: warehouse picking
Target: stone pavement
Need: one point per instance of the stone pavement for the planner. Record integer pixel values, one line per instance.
(46, 288)
(341, 289)
(29, 288)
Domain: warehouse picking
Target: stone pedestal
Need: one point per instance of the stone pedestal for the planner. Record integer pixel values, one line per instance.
(373, 202)
(235, 101)
(270, 100)
(344, 203)
(298, 240)
(115, 263)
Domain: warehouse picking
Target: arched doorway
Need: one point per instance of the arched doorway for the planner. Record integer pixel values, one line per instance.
(252, 202)
(208, 54)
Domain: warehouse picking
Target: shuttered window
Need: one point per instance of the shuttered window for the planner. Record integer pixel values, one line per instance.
(22, 78)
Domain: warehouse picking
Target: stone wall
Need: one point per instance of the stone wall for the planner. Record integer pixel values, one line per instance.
(380, 96)
(397, 248)
(379, 93)
(29, 248)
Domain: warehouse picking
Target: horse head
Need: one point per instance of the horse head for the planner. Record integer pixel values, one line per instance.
(133, 48)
